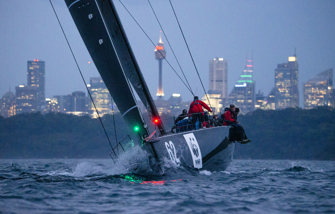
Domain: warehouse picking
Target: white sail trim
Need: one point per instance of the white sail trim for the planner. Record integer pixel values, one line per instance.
(118, 58)
(129, 110)
(73, 3)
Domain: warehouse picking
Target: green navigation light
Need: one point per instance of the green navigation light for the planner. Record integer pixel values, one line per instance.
(136, 128)
(243, 75)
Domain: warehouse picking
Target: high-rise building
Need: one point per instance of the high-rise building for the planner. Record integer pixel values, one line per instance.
(260, 100)
(318, 90)
(26, 99)
(332, 98)
(174, 101)
(286, 84)
(215, 101)
(173, 106)
(243, 93)
(7, 104)
(78, 103)
(176, 104)
(51, 105)
(101, 97)
(36, 78)
(64, 102)
(160, 54)
(270, 103)
(75, 103)
(218, 77)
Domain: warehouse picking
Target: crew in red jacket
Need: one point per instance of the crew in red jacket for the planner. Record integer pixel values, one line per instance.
(229, 116)
(196, 111)
(236, 132)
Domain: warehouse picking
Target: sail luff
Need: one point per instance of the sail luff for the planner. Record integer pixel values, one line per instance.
(130, 64)
(92, 28)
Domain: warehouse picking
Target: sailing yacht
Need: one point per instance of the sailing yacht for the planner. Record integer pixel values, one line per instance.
(101, 30)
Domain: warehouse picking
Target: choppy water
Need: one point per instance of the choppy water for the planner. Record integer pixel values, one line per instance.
(99, 186)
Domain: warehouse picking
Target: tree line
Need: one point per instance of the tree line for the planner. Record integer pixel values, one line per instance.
(284, 134)
(289, 134)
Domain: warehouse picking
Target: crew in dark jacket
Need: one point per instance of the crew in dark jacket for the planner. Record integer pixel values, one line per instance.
(182, 116)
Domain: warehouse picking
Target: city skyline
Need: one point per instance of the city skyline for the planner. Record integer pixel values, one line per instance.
(317, 92)
(304, 27)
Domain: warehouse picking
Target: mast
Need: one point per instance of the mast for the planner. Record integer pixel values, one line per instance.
(106, 41)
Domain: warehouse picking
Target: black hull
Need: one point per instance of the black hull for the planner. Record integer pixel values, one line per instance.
(208, 149)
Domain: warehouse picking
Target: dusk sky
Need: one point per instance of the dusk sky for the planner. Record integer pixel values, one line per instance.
(234, 29)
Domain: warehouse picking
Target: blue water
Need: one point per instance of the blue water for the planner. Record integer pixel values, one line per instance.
(100, 186)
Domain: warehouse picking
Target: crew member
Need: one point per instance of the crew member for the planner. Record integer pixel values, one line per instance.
(182, 116)
(236, 133)
(229, 117)
(216, 121)
(182, 122)
(196, 111)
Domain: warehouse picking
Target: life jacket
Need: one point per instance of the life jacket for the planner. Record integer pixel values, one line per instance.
(229, 118)
(196, 107)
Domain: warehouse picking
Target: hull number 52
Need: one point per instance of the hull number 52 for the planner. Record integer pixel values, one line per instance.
(172, 152)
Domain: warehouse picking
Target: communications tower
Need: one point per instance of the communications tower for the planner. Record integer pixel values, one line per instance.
(160, 54)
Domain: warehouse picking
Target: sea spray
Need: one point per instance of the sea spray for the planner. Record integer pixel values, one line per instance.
(133, 160)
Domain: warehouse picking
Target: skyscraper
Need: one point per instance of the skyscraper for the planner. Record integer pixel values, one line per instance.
(51, 105)
(36, 79)
(101, 97)
(243, 93)
(7, 104)
(318, 90)
(160, 54)
(78, 103)
(75, 103)
(332, 98)
(64, 102)
(215, 101)
(270, 103)
(260, 100)
(26, 99)
(218, 77)
(286, 84)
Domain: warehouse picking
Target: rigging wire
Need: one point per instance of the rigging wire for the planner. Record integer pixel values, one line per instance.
(189, 51)
(138, 24)
(160, 25)
(82, 77)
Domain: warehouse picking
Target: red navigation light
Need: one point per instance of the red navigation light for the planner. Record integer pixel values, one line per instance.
(35, 60)
(156, 121)
(249, 66)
